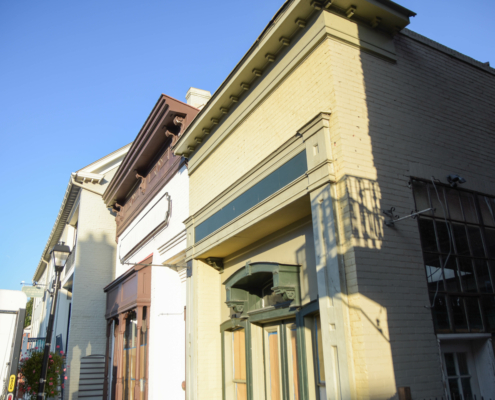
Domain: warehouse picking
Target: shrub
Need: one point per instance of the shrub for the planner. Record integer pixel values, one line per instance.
(30, 370)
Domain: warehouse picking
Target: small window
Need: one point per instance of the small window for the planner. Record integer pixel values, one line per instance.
(459, 378)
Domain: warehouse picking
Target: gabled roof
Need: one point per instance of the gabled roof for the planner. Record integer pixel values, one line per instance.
(97, 168)
(163, 126)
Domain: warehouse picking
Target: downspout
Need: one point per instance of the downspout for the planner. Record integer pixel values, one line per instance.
(73, 182)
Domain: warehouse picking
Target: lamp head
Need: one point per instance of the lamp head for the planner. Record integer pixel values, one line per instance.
(60, 253)
(455, 179)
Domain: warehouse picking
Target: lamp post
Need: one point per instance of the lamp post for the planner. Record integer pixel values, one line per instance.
(59, 254)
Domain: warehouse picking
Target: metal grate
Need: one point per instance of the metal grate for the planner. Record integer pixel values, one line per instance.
(92, 377)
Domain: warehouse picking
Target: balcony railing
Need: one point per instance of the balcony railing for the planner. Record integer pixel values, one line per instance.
(36, 344)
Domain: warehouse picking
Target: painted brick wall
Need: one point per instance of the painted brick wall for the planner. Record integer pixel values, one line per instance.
(94, 267)
(429, 114)
(305, 92)
(207, 322)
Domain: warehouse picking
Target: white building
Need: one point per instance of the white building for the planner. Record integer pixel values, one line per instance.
(11, 304)
(87, 226)
(146, 300)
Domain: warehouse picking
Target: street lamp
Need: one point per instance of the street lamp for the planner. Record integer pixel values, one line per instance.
(60, 253)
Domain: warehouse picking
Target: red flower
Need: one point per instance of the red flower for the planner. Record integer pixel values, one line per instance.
(36, 348)
(65, 377)
(61, 352)
(50, 356)
(29, 388)
(50, 383)
(63, 386)
(58, 347)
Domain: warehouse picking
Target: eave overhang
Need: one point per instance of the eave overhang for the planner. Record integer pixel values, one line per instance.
(166, 122)
(70, 197)
(287, 22)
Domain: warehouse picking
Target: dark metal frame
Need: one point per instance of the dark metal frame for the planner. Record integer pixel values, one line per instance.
(436, 295)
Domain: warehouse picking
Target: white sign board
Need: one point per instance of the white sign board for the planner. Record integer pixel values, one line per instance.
(33, 291)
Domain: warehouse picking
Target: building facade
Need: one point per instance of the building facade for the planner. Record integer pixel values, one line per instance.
(146, 297)
(336, 123)
(87, 226)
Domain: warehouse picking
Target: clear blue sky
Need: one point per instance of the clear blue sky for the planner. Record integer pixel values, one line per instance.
(79, 78)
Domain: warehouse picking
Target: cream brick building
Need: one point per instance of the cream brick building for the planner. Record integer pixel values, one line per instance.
(298, 288)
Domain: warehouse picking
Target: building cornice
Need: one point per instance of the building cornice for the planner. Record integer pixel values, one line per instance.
(166, 122)
(271, 44)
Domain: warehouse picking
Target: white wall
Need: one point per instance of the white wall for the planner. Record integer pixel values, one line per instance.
(178, 189)
(168, 289)
(167, 335)
(10, 300)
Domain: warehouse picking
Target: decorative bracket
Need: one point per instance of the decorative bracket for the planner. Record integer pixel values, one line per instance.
(395, 218)
(216, 263)
(288, 292)
(236, 305)
(142, 186)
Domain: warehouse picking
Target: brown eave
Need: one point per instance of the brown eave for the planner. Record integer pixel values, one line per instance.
(150, 140)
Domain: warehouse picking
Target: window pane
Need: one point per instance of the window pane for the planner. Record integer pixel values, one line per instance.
(450, 273)
(458, 312)
(319, 352)
(475, 241)
(462, 363)
(433, 272)
(454, 204)
(295, 372)
(274, 367)
(450, 364)
(439, 312)
(239, 355)
(483, 274)
(486, 208)
(434, 196)
(466, 273)
(460, 239)
(488, 304)
(455, 393)
(466, 388)
(421, 196)
(474, 313)
(467, 200)
(444, 237)
(427, 233)
(490, 238)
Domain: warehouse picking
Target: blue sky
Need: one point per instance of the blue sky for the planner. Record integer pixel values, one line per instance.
(79, 78)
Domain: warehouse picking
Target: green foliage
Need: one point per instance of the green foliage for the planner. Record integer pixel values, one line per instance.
(29, 312)
(30, 369)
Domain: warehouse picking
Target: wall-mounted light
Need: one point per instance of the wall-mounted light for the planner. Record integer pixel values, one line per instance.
(455, 179)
